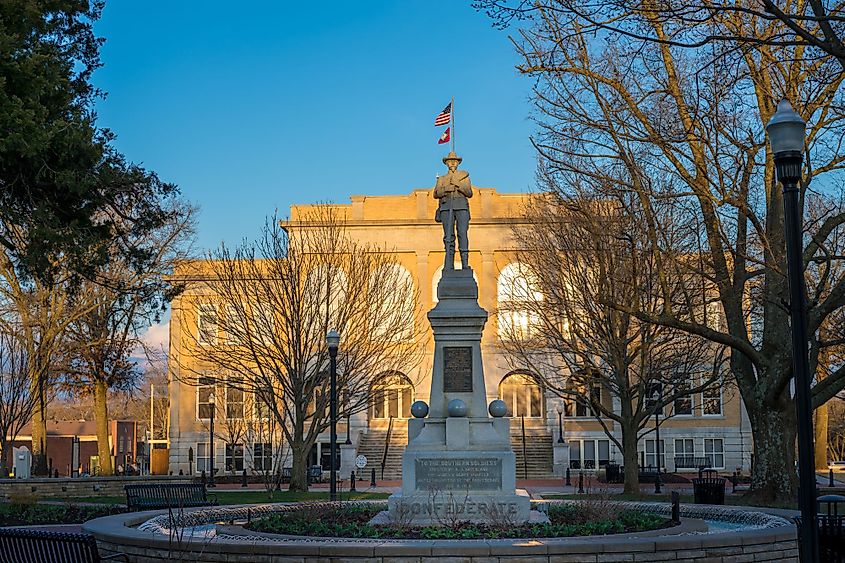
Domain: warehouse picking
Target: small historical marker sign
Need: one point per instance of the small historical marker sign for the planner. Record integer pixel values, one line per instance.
(361, 461)
(457, 369)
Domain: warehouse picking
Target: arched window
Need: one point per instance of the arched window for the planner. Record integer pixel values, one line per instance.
(325, 292)
(517, 294)
(522, 394)
(391, 396)
(392, 314)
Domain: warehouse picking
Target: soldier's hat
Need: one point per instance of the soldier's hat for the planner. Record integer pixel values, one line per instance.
(451, 156)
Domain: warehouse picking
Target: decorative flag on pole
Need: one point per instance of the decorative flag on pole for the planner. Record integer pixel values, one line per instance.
(444, 116)
(444, 138)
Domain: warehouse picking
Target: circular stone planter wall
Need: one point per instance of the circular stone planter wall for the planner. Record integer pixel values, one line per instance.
(121, 533)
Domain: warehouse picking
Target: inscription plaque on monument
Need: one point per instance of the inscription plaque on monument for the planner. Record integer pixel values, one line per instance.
(457, 369)
(460, 474)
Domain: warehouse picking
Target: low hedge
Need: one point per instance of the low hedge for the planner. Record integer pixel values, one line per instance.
(351, 520)
(13, 514)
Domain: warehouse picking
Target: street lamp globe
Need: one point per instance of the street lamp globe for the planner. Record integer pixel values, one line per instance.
(211, 399)
(333, 339)
(786, 130)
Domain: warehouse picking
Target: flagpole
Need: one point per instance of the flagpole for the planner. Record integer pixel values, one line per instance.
(452, 117)
(453, 123)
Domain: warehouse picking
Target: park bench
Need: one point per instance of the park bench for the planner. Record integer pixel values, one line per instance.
(25, 545)
(315, 474)
(155, 496)
(691, 462)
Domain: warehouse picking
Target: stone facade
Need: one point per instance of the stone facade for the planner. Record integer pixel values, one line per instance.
(405, 223)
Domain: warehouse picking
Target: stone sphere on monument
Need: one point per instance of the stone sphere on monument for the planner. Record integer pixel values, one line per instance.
(497, 408)
(457, 408)
(419, 409)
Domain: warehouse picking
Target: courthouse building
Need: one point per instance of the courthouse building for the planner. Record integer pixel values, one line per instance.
(710, 427)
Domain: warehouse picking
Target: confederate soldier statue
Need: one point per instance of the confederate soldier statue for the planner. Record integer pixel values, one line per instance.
(452, 190)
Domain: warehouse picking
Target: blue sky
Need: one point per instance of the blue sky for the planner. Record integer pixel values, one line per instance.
(255, 106)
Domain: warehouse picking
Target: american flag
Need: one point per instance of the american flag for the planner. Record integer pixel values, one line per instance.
(444, 116)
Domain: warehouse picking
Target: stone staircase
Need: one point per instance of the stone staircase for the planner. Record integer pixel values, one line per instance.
(372, 446)
(538, 450)
(538, 459)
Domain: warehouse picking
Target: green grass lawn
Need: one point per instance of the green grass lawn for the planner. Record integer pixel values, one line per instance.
(733, 500)
(225, 497)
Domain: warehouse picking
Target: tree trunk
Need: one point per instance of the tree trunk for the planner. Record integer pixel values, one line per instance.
(101, 418)
(773, 474)
(39, 430)
(821, 429)
(4, 454)
(629, 457)
(299, 471)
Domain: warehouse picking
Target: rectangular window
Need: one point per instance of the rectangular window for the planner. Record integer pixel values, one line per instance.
(580, 407)
(684, 453)
(575, 454)
(711, 399)
(265, 323)
(653, 396)
(203, 460)
(260, 410)
(589, 448)
(205, 388)
(233, 326)
(714, 451)
(683, 404)
(207, 324)
(604, 452)
(326, 457)
(650, 459)
(589, 454)
(234, 399)
(713, 315)
(234, 457)
(262, 456)
(584, 405)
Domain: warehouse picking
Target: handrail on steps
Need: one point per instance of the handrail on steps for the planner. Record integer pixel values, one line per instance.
(386, 446)
(524, 456)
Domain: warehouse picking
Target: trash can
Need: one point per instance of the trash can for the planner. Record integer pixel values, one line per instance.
(709, 490)
(613, 473)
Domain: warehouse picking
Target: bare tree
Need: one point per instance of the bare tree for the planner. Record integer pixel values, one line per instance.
(39, 315)
(687, 126)
(816, 27)
(268, 307)
(102, 341)
(17, 402)
(581, 259)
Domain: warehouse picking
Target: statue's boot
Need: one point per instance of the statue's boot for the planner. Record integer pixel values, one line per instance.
(449, 261)
(464, 259)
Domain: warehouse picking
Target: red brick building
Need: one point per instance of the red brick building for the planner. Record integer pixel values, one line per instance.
(72, 445)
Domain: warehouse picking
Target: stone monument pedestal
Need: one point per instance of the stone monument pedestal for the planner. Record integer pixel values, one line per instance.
(459, 464)
(560, 458)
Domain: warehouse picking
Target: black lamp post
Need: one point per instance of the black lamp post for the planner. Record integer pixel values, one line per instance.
(559, 425)
(786, 132)
(657, 410)
(333, 341)
(348, 436)
(211, 402)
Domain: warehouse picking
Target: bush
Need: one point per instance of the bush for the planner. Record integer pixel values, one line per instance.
(351, 520)
(31, 514)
